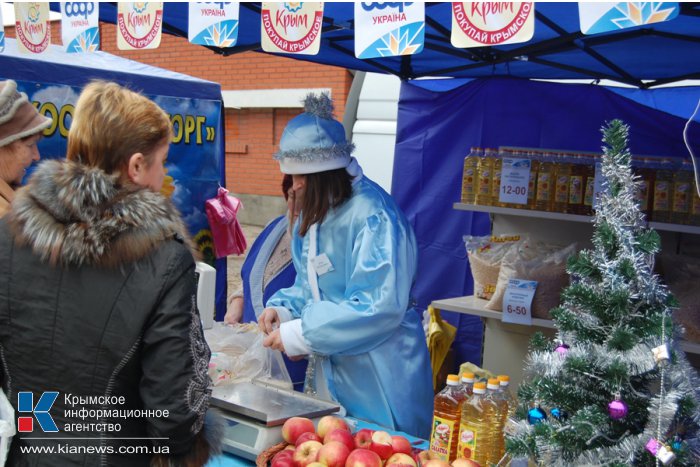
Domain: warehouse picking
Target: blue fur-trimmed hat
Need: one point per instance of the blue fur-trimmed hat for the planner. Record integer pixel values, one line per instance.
(314, 141)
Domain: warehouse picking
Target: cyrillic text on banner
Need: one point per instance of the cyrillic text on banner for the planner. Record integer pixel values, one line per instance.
(291, 27)
(479, 24)
(32, 26)
(139, 25)
(79, 26)
(213, 23)
(384, 29)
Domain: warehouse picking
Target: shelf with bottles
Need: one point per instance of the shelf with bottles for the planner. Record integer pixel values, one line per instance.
(474, 306)
(562, 185)
(690, 229)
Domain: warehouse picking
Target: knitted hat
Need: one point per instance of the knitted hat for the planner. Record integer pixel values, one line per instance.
(314, 141)
(18, 117)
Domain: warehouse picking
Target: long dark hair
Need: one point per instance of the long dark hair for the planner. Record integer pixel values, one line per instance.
(324, 191)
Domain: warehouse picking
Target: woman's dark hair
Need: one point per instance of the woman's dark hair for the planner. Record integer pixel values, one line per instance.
(324, 191)
(287, 182)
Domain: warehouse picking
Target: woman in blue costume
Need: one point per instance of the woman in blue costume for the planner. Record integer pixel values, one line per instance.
(268, 268)
(349, 309)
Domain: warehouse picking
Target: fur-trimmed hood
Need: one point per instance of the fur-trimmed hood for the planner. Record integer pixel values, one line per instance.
(72, 214)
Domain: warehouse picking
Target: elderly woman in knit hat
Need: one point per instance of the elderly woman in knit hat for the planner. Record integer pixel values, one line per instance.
(20, 131)
(349, 309)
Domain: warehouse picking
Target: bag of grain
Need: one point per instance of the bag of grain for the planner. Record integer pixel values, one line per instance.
(536, 261)
(485, 255)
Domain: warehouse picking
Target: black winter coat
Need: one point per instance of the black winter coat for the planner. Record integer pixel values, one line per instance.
(97, 302)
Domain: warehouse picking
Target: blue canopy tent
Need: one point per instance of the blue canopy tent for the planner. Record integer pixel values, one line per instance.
(54, 78)
(440, 119)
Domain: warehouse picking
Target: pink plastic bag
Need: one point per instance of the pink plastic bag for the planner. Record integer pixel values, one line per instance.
(225, 229)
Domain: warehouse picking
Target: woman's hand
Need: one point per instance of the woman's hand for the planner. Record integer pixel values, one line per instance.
(268, 321)
(274, 341)
(234, 313)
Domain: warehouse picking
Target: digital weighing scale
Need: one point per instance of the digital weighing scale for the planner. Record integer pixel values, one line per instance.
(255, 411)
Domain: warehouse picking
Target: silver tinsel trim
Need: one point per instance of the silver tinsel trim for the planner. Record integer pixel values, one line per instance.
(317, 154)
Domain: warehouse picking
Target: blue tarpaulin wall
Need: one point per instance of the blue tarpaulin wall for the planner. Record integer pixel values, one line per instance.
(439, 120)
(53, 81)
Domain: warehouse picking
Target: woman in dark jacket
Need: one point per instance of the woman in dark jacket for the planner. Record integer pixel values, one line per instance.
(97, 300)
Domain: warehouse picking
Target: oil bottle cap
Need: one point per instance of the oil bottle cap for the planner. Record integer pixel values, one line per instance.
(480, 387)
(493, 383)
(452, 380)
(504, 379)
(467, 377)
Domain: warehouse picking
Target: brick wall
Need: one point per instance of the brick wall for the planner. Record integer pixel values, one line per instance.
(251, 134)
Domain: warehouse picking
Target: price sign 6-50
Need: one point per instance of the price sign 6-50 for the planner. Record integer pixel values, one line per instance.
(518, 310)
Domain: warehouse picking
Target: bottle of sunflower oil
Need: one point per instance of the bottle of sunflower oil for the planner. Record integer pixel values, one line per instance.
(589, 190)
(469, 176)
(468, 383)
(562, 174)
(504, 383)
(577, 180)
(683, 182)
(694, 215)
(544, 195)
(446, 416)
(663, 191)
(484, 176)
(532, 183)
(478, 414)
(496, 178)
(494, 393)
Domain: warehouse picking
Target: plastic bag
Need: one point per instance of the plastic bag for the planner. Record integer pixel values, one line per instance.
(485, 255)
(544, 263)
(226, 231)
(7, 426)
(237, 353)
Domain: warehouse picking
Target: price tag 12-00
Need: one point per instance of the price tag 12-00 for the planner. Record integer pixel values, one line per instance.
(517, 301)
(515, 176)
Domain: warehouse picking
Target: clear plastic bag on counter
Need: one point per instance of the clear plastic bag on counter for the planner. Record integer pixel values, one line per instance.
(485, 255)
(535, 261)
(237, 353)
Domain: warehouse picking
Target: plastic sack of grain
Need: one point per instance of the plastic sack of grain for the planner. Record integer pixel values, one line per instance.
(485, 255)
(536, 261)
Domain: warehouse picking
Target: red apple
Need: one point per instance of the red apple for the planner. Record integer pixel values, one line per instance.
(401, 444)
(294, 427)
(308, 436)
(341, 436)
(316, 464)
(283, 454)
(306, 453)
(333, 454)
(436, 463)
(381, 444)
(363, 438)
(400, 459)
(363, 458)
(424, 457)
(329, 423)
(461, 462)
(284, 462)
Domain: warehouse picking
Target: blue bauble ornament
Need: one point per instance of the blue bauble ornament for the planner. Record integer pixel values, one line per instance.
(557, 413)
(536, 415)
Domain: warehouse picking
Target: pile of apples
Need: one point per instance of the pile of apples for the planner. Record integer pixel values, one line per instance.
(331, 444)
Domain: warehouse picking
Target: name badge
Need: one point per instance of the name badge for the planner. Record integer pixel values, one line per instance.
(322, 264)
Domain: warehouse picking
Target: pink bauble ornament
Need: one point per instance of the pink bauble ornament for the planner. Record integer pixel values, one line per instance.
(617, 409)
(562, 349)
